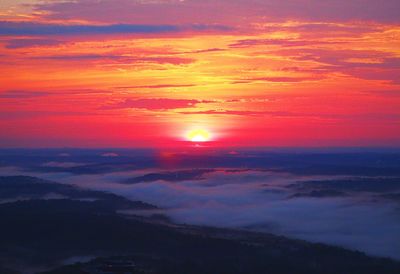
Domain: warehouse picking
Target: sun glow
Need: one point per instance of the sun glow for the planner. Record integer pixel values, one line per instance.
(198, 135)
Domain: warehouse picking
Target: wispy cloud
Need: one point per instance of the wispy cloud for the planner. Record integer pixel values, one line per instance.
(278, 79)
(32, 28)
(156, 104)
(235, 11)
(248, 43)
(244, 113)
(27, 43)
(160, 86)
(20, 94)
(117, 58)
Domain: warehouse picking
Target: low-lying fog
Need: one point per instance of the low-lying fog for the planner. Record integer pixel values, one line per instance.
(353, 211)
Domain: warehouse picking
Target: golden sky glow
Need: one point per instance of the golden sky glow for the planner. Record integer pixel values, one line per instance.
(198, 135)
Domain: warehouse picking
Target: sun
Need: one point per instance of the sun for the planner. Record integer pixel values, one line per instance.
(198, 135)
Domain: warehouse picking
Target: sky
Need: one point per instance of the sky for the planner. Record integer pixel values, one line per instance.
(154, 73)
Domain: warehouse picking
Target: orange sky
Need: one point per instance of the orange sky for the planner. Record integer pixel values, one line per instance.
(252, 73)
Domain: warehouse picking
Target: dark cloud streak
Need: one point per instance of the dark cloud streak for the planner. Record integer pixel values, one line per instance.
(30, 28)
